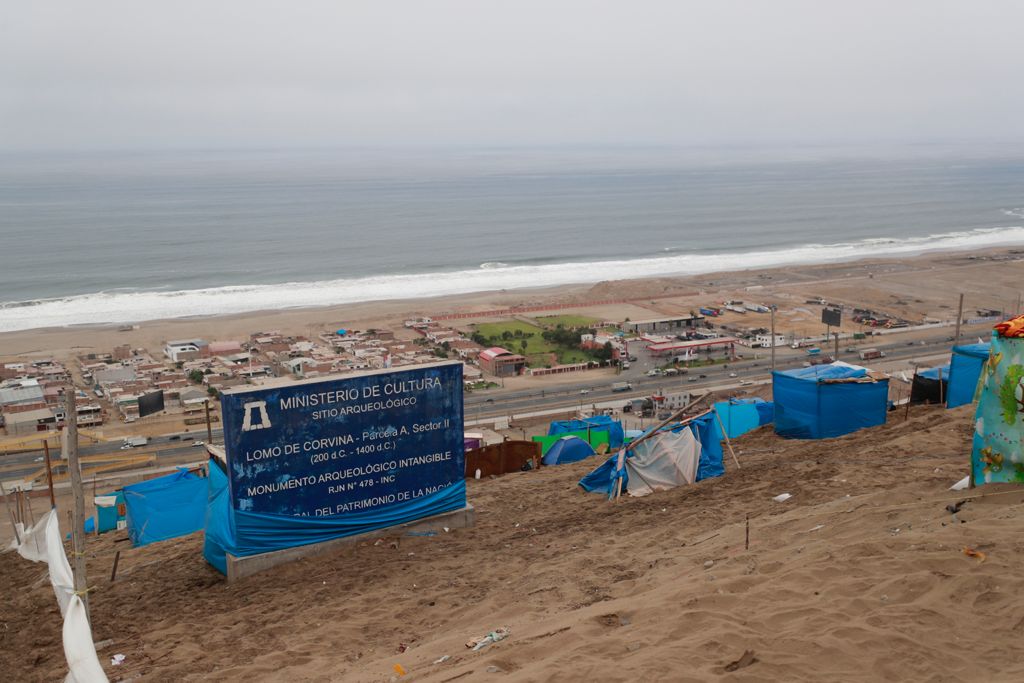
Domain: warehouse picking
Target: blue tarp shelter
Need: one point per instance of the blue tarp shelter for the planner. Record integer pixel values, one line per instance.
(740, 415)
(824, 401)
(596, 423)
(165, 507)
(568, 449)
(964, 371)
(705, 429)
(250, 533)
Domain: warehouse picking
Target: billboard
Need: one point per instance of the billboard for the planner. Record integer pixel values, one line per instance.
(832, 317)
(151, 403)
(357, 443)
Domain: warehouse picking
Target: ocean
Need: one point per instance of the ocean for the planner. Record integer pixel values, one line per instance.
(121, 237)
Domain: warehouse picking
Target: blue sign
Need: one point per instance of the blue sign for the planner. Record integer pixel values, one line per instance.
(328, 447)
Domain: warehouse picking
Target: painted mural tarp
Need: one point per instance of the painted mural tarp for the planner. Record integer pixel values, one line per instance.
(352, 444)
(996, 454)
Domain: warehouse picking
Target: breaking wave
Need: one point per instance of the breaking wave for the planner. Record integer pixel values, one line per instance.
(124, 307)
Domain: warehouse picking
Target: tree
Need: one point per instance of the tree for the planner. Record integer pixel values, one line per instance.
(196, 376)
(522, 345)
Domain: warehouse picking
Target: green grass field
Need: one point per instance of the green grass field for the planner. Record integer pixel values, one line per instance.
(537, 349)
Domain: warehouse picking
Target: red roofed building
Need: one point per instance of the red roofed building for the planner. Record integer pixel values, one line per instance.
(501, 362)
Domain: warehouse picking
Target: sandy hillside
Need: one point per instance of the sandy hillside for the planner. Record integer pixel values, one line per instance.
(860, 576)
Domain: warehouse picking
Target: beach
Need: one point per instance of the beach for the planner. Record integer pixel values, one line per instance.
(920, 286)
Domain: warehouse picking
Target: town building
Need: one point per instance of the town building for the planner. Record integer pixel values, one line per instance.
(501, 362)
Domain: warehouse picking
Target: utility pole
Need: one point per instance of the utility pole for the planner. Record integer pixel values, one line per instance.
(49, 472)
(78, 516)
(836, 356)
(209, 427)
(959, 320)
(773, 337)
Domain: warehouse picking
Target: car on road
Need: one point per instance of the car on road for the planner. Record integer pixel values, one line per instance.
(692, 379)
(625, 365)
(733, 374)
(174, 437)
(654, 373)
(584, 391)
(198, 443)
(632, 359)
(703, 376)
(670, 372)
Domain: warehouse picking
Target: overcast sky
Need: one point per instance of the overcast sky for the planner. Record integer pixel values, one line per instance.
(254, 73)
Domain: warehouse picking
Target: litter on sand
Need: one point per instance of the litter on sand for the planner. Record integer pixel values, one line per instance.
(961, 485)
(782, 497)
(399, 669)
(492, 637)
(117, 660)
(816, 528)
(971, 552)
(745, 660)
(442, 660)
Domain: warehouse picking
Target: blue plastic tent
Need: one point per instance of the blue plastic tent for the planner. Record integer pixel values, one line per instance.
(740, 415)
(568, 449)
(964, 371)
(815, 402)
(250, 533)
(165, 507)
(596, 423)
(705, 429)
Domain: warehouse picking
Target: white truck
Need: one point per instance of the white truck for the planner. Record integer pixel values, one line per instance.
(622, 386)
(133, 442)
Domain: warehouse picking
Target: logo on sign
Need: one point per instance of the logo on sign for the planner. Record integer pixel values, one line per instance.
(260, 409)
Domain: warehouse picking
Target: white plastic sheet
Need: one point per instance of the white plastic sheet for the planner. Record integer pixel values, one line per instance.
(43, 543)
(663, 462)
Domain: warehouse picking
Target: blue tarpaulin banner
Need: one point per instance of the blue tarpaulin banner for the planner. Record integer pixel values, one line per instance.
(166, 507)
(250, 533)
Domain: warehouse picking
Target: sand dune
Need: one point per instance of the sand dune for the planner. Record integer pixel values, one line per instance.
(859, 576)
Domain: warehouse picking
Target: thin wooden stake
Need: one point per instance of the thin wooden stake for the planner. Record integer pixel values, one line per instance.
(10, 514)
(746, 545)
(113, 572)
(727, 442)
(910, 395)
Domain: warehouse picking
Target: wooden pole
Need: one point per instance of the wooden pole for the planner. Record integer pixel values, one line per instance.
(942, 397)
(209, 428)
(727, 442)
(773, 337)
(78, 517)
(910, 396)
(959, 320)
(113, 572)
(746, 544)
(49, 473)
(10, 514)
